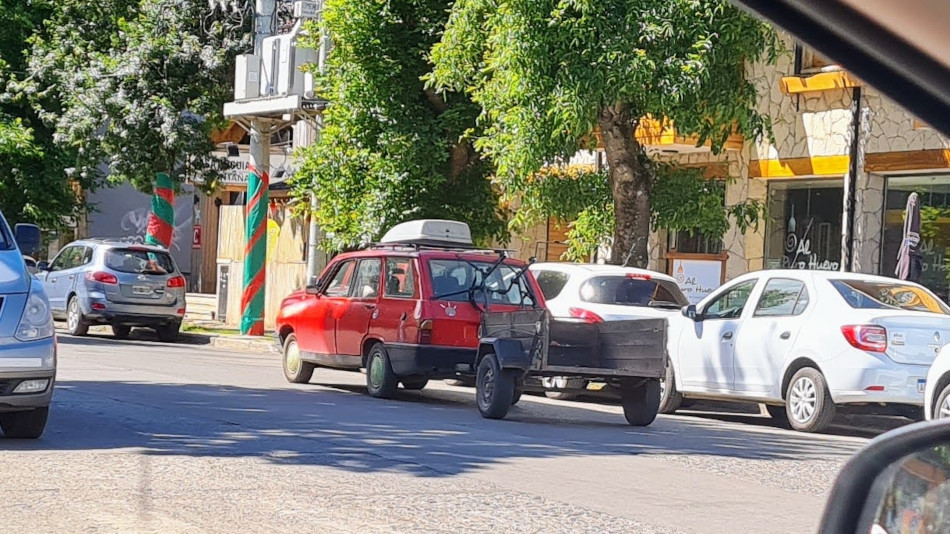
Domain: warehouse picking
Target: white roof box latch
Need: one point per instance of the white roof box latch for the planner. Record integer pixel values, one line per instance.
(429, 232)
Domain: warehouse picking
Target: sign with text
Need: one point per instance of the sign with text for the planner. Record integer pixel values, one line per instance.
(196, 237)
(237, 168)
(697, 278)
(304, 9)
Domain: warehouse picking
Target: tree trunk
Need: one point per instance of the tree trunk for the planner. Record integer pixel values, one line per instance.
(631, 180)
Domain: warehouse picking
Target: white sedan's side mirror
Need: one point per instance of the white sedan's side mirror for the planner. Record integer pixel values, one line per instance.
(691, 313)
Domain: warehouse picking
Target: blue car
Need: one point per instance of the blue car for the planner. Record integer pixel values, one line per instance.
(27, 343)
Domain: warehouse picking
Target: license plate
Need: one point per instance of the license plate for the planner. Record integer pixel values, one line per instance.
(921, 384)
(141, 290)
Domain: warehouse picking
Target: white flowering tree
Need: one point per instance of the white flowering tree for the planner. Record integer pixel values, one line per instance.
(136, 86)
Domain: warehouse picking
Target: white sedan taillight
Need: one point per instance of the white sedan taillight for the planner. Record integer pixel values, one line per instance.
(871, 338)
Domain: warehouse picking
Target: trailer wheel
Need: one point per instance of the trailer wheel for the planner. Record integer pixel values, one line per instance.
(494, 388)
(641, 401)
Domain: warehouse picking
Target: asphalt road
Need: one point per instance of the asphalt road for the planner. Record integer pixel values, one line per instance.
(146, 437)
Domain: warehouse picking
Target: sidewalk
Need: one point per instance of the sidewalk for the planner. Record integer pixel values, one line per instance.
(222, 337)
(210, 333)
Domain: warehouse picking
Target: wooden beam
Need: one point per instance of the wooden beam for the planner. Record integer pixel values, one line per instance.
(828, 166)
(652, 132)
(232, 134)
(911, 160)
(823, 81)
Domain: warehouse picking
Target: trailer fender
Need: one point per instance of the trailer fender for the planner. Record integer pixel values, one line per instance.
(509, 352)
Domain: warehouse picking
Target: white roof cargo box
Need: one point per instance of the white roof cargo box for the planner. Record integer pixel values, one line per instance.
(429, 232)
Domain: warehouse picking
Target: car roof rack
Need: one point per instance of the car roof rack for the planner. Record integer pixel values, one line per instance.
(437, 245)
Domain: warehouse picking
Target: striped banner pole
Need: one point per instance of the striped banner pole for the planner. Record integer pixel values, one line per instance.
(255, 251)
(161, 220)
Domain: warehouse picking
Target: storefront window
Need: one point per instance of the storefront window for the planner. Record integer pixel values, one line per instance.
(804, 229)
(697, 243)
(934, 191)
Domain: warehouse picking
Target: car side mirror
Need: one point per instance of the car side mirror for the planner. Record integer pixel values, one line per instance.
(691, 313)
(901, 478)
(29, 238)
(313, 285)
(42, 266)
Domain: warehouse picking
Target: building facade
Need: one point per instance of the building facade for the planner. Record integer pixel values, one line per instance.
(835, 179)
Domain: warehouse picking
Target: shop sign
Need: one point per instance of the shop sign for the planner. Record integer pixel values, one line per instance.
(799, 254)
(196, 237)
(238, 168)
(697, 278)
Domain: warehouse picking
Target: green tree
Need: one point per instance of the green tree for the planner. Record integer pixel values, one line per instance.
(548, 73)
(33, 184)
(391, 149)
(135, 87)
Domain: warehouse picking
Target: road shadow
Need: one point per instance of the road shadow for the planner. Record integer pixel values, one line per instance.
(137, 336)
(429, 433)
(845, 424)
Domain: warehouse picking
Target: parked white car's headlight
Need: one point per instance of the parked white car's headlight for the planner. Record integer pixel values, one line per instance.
(36, 321)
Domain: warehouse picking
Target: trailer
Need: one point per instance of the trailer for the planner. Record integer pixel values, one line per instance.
(518, 349)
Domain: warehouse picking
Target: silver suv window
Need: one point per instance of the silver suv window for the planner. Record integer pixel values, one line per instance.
(139, 261)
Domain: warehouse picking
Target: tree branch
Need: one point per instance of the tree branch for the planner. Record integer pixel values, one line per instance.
(436, 100)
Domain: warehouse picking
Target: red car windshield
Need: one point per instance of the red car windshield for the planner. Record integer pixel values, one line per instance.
(452, 278)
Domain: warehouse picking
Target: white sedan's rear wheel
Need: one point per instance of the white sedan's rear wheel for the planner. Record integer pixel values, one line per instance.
(808, 402)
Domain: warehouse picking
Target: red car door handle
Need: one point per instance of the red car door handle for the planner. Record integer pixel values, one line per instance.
(370, 306)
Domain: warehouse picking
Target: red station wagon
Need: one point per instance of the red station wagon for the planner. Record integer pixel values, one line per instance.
(407, 310)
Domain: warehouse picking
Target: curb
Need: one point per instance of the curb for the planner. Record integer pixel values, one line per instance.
(255, 344)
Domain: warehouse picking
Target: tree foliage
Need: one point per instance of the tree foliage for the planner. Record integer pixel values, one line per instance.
(136, 86)
(683, 200)
(33, 186)
(391, 150)
(548, 73)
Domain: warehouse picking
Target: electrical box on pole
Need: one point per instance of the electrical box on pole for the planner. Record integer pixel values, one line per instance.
(247, 77)
(283, 64)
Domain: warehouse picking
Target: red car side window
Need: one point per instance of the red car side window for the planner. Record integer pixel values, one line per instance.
(339, 285)
(400, 279)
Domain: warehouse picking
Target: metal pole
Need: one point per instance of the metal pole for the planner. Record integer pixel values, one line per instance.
(313, 242)
(258, 182)
(255, 231)
(264, 13)
(851, 184)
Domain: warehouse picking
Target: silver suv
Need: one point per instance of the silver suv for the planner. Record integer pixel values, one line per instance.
(119, 283)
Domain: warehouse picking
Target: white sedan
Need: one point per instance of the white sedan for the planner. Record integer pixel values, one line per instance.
(802, 342)
(596, 293)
